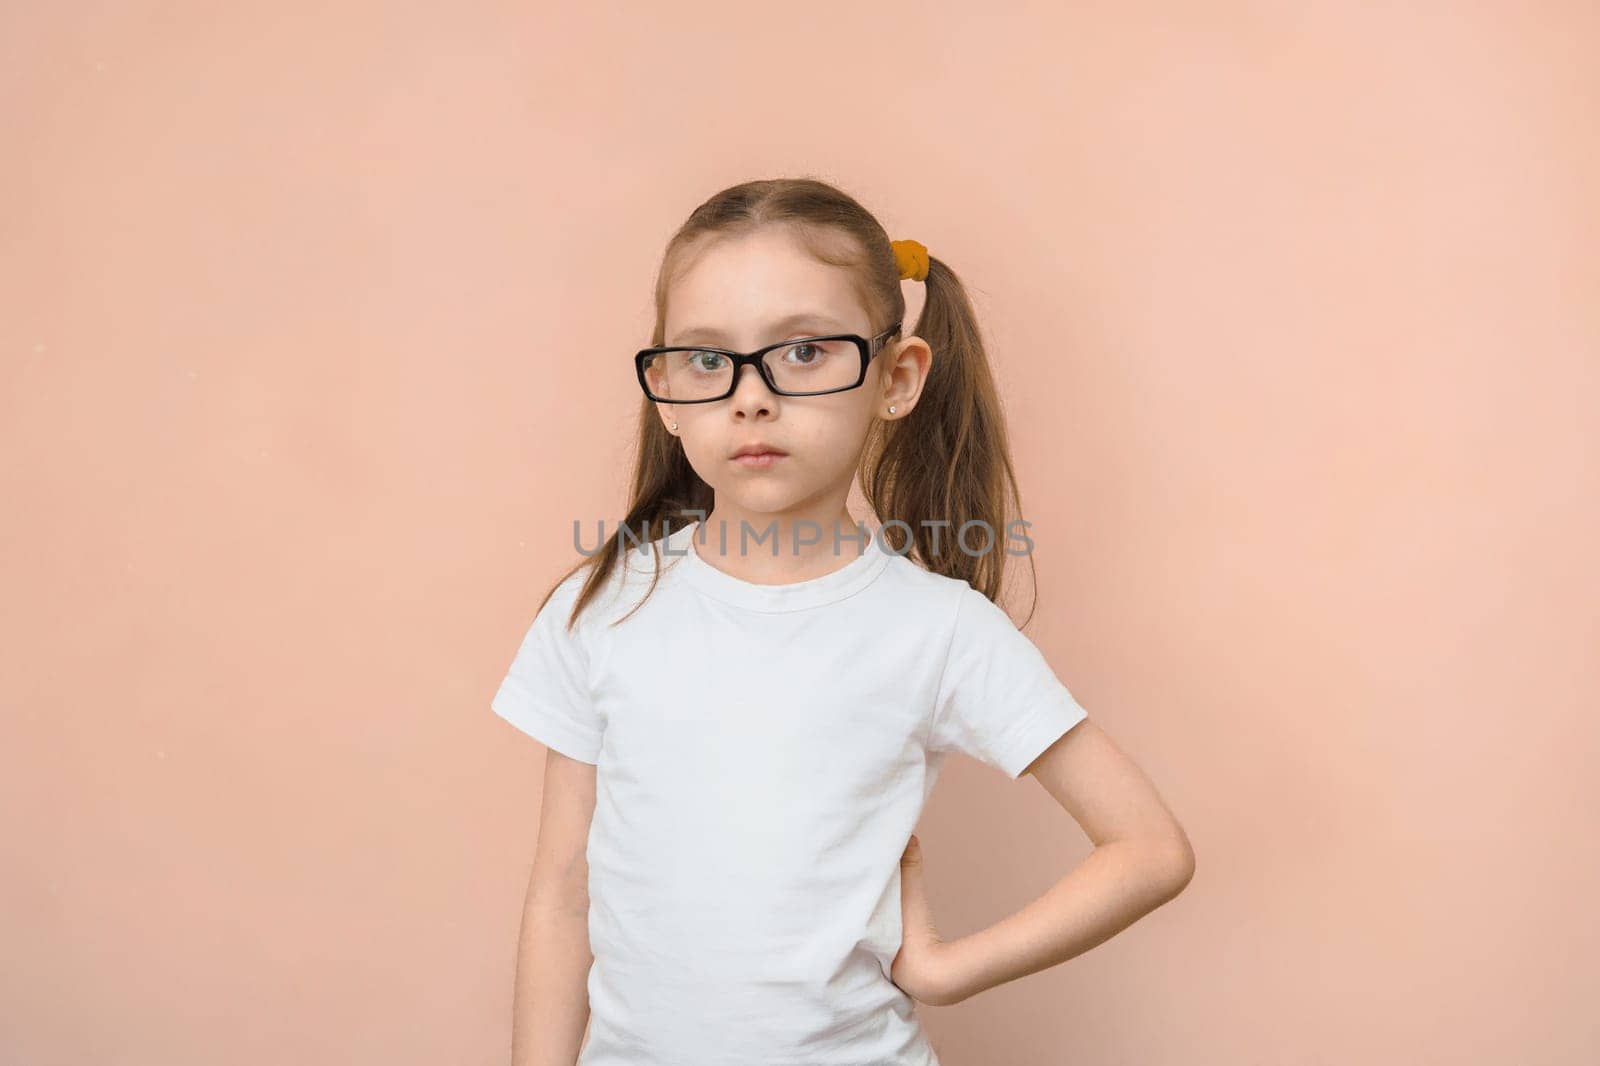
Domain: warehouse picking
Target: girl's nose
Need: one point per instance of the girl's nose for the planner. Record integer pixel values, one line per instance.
(750, 392)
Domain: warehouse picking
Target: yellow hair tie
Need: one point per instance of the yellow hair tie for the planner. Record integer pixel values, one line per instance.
(912, 257)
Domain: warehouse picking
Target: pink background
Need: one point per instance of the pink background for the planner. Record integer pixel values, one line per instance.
(315, 340)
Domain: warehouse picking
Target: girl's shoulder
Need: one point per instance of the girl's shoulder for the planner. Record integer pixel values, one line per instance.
(913, 576)
(635, 569)
(945, 601)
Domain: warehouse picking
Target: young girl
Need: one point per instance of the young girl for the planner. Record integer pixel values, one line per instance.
(746, 704)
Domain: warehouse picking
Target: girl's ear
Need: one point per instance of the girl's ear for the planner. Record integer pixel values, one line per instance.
(904, 375)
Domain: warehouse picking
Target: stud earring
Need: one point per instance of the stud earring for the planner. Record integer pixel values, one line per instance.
(891, 408)
(674, 427)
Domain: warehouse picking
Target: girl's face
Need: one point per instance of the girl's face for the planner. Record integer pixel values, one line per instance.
(748, 292)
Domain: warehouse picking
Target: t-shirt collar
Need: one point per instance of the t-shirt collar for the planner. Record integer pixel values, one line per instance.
(852, 577)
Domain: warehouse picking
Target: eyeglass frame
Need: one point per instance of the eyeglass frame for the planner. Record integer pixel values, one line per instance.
(868, 347)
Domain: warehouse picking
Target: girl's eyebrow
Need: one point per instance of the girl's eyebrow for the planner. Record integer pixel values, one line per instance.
(809, 319)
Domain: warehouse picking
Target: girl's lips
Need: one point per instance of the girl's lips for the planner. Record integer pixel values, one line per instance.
(759, 461)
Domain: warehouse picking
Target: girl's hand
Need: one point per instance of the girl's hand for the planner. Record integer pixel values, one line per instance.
(922, 968)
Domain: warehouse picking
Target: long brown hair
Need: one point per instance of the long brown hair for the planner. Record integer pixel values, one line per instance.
(947, 459)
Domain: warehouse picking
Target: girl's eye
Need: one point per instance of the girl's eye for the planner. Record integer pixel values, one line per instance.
(810, 353)
(708, 361)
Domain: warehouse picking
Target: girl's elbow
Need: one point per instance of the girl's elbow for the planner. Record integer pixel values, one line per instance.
(1179, 864)
(1173, 862)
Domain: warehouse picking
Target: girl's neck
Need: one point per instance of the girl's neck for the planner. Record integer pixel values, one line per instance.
(762, 548)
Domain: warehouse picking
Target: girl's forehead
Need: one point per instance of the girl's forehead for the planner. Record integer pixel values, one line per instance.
(748, 284)
(706, 331)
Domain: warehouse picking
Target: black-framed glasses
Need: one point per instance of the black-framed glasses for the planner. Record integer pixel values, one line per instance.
(805, 366)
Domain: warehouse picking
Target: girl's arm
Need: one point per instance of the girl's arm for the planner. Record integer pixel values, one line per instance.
(551, 1008)
(1142, 859)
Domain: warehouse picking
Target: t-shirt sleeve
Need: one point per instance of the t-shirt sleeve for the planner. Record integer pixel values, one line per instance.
(998, 699)
(546, 691)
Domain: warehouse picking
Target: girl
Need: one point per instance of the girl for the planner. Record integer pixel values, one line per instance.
(741, 738)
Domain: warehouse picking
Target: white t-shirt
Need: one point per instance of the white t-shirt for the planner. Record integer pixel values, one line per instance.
(762, 755)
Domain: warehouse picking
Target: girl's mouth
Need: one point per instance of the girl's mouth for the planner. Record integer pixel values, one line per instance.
(759, 460)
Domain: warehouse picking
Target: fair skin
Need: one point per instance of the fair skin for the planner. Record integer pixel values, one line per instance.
(1141, 858)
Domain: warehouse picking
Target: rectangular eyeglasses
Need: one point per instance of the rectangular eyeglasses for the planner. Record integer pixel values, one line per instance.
(807, 366)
